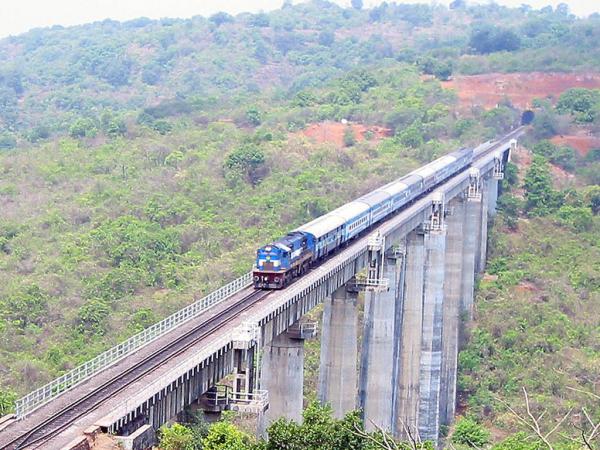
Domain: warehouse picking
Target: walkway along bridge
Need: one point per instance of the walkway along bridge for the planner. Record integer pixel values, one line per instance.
(421, 265)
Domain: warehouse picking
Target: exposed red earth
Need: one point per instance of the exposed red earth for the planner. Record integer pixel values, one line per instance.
(520, 88)
(333, 132)
(582, 143)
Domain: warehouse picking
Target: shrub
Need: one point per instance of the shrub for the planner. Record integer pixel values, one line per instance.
(177, 437)
(541, 198)
(349, 138)
(7, 401)
(470, 433)
(577, 218)
(83, 127)
(7, 141)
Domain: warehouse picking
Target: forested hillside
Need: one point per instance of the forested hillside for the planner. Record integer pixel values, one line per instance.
(141, 163)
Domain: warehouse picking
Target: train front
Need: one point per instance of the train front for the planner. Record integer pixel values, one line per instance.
(271, 268)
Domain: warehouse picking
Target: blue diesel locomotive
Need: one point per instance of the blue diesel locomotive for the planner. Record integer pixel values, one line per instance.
(291, 256)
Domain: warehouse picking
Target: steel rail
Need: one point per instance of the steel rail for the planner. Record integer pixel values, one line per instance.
(116, 384)
(213, 323)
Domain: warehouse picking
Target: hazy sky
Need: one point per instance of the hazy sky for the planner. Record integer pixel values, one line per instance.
(17, 16)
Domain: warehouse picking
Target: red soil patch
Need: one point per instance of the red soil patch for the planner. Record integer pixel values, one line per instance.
(582, 143)
(526, 286)
(333, 132)
(521, 88)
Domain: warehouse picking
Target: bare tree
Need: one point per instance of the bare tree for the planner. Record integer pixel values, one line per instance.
(534, 423)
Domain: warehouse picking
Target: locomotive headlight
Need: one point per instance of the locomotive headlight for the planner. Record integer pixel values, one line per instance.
(276, 279)
(256, 278)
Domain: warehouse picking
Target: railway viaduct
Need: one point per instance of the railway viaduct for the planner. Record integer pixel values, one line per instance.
(415, 274)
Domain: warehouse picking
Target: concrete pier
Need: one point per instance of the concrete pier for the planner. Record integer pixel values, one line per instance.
(283, 376)
(453, 280)
(493, 197)
(470, 243)
(376, 382)
(407, 389)
(339, 352)
(484, 227)
(431, 338)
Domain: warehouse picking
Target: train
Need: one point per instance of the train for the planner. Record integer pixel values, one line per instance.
(285, 259)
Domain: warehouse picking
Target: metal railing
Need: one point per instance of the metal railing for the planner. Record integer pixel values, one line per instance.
(60, 385)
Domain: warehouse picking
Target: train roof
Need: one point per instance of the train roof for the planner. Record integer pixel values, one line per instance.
(322, 225)
(374, 198)
(434, 166)
(394, 188)
(351, 210)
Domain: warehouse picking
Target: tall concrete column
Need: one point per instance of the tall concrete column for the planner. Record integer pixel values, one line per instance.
(493, 197)
(376, 382)
(451, 310)
(283, 376)
(471, 247)
(407, 389)
(485, 199)
(339, 352)
(431, 340)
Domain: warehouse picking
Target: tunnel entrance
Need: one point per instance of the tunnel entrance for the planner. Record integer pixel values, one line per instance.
(527, 117)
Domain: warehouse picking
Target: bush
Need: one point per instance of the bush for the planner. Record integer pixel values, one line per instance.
(580, 102)
(564, 157)
(489, 39)
(177, 437)
(577, 218)
(541, 198)
(83, 127)
(349, 138)
(245, 161)
(225, 436)
(519, 441)
(7, 141)
(7, 401)
(470, 433)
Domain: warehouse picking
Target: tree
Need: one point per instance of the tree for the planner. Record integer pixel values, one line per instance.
(177, 437)
(510, 206)
(225, 436)
(357, 4)
(489, 39)
(220, 18)
(259, 20)
(28, 306)
(92, 316)
(577, 218)
(592, 197)
(326, 38)
(253, 116)
(349, 138)
(582, 103)
(245, 161)
(470, 433)
(7, 401)
(83, 127)
(564, 157)
(7, 141)
(541, 198)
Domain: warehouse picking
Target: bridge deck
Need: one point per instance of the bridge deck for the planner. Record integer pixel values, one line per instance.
(156, 378)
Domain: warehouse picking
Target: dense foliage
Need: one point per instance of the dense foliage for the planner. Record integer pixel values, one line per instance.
(317, 431)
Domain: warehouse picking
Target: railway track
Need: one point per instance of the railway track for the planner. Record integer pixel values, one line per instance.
(48, 428)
